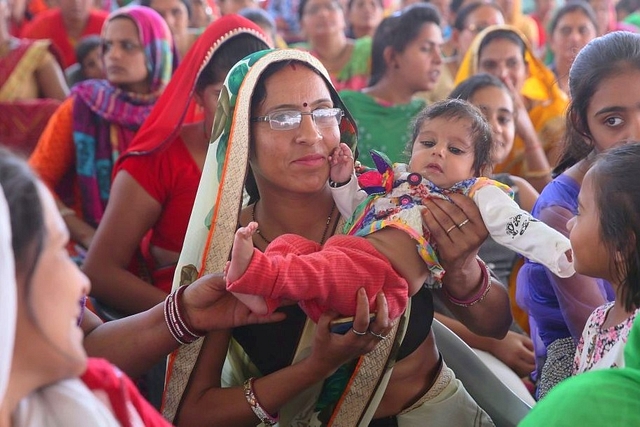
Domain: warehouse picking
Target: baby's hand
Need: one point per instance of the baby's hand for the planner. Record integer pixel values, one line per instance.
(341, 162)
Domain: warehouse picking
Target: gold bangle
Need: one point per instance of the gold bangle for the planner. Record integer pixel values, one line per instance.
(538, 174)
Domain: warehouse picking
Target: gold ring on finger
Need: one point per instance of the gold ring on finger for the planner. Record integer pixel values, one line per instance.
(463, 223)
(451, 228)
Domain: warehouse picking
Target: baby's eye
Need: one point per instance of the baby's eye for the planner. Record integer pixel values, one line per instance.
(454, 150)
(613, 121)
(428, 143)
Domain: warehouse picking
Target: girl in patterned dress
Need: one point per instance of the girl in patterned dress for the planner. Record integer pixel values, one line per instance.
(604, 239)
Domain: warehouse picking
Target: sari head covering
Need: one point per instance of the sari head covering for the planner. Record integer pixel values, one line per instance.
(67, 402)
(604, 397)
(168, 115)
(8, 298)
(220, 195)
(541, 88)
(524, 23)
(105, 117)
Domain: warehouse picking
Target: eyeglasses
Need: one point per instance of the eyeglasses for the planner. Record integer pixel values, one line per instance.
(291, 119)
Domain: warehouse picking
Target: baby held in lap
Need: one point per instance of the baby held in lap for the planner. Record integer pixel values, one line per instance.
(450, 150)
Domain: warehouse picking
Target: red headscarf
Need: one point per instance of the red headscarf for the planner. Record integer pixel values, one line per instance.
(168, 115)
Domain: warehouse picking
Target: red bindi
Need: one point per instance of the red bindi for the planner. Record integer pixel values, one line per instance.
(304, 104)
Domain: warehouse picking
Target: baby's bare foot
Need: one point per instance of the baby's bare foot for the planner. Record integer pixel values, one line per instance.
(241, 253)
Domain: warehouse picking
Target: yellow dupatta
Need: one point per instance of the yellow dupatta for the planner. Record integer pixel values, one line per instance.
(541, 88)
(22, 84)
(524, 23)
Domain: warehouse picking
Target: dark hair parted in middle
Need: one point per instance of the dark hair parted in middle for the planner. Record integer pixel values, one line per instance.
(458, 109)
(570, 7)
(397, 31)
(600, 59)
(461, 18)
(503, 34)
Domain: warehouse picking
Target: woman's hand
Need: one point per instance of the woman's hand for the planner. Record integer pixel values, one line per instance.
(458, 231)
(331, 350)
(208, 306)
(516, 351)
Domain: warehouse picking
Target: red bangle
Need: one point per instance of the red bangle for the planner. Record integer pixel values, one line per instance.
(175, 321)
(482, 293)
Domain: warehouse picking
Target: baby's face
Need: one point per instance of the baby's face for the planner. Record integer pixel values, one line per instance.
(443, 152)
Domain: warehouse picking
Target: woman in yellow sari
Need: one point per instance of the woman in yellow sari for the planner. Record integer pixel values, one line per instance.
(503, 51)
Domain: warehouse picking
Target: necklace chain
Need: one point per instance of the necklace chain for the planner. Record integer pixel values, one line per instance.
(267, 241)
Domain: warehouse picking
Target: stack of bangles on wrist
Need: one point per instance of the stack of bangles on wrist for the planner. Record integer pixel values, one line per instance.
(482, 293)
(175, 321)
(256, 407)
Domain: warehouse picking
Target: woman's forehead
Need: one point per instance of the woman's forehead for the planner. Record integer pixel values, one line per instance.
(295, 81)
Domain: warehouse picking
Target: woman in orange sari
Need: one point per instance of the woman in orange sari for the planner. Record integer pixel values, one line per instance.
(98, 121)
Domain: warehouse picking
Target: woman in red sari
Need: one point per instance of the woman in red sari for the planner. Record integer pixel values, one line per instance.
(157, 177)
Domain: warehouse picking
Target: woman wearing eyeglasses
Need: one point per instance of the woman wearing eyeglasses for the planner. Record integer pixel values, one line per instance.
(156, 179)
(296, 372)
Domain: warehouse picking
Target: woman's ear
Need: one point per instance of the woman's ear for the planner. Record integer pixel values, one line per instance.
(197, 96)
(389, 56)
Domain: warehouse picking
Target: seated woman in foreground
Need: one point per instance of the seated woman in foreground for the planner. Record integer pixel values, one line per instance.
(280, 370)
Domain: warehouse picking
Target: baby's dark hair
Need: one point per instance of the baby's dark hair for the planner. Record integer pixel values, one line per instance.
(617, 198)
(458, 109)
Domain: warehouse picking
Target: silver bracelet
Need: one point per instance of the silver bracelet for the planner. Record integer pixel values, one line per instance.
(256, 407)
